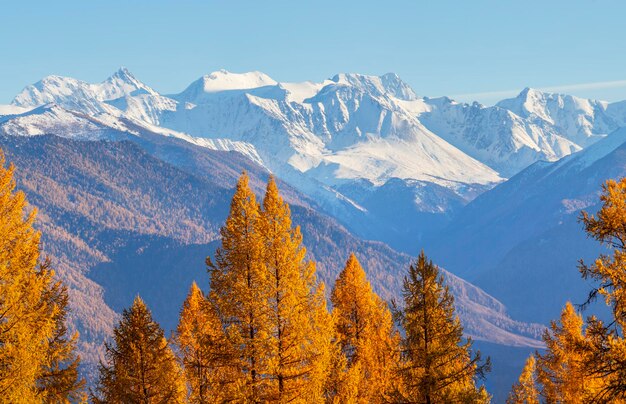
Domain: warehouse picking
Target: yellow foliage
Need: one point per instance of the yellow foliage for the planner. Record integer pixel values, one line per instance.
(562, 370)
(140, 367)
(206, 355)
(366, 335)
(270, 303)
(239, 291)
(32, 310)
(608, 361)
(525, 390)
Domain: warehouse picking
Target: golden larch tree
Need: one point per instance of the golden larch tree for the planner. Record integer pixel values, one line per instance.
(59, 380)
(34, 353)
(438, 365)
(562, 369)
(525, 391)
(300, 326)
(205, 352)
(140, 366)
(609, 353)
(239, 289)
(367, 338)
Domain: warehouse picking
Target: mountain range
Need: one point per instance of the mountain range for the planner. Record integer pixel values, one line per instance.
(133, 185)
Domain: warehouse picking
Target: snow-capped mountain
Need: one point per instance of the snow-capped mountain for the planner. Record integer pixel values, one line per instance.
(341, 140)
(496, 136)
(579, 120)
(70, 92)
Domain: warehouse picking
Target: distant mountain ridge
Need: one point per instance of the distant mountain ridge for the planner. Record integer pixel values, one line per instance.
(339, 141)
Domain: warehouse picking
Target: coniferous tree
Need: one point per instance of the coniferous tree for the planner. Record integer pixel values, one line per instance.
(239, 288)
(34, 351)
(300, 325)
(609, 342)
(366, 336)
(437, 364)
(562, 369)
(140, 366)
(59, 381)
(525, 391)
(206, 355)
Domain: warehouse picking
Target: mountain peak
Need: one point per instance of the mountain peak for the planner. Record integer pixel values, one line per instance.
(389, 83)
(120, 84)
(223, 80)
(124, 73)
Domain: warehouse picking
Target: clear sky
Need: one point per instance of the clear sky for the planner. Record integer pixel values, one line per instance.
(483, 50)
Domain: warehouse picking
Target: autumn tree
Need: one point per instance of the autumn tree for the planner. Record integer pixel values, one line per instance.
(366, 335)
(239, 291)
(140, 366)
(562, 369)
(206, 355)
(525, 391)
(59, 380)
(609, 271)
(438, 365)
(37, 362)
(300, 326)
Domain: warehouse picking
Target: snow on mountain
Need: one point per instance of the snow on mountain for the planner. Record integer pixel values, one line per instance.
(496, 136)
(52, 119)
(12, 110)
(351, 128)
(388, 84)
(580, 120)
(78, 95)
(341, 140)
(223, 81)
(120, 84)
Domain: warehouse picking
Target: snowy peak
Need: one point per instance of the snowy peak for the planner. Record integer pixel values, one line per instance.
(120, 84)
(580, 120)
(52, 89)
(73, 93)
(221, 81)
(393, 84)
(389, 84)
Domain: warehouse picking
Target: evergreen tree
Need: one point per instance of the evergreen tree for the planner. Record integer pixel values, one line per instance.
(609, 228)
(300, 326)
(33, 348)
(141, 367)
(205, 353)
(437, 364)
(525, 391)
(562, 369)
(239, 289)
(366, 335)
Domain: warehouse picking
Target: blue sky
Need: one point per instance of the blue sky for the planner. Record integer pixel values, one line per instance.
(484, 50)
